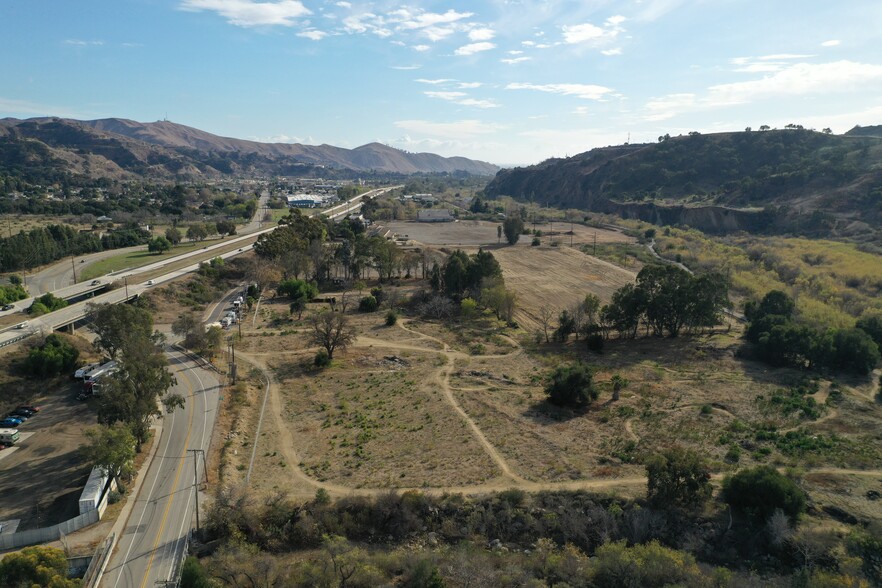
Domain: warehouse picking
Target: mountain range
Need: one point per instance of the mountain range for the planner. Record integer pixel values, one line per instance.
(124, 149)
(789, 180)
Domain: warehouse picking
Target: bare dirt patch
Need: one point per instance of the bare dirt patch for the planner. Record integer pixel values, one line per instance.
(557, 277)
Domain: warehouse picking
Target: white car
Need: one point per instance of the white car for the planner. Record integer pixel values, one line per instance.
(149, 282)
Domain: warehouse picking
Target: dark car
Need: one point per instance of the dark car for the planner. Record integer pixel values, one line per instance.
(96, 282)
(8, 306)
(21, 414)
(9, 423)
(29, 407)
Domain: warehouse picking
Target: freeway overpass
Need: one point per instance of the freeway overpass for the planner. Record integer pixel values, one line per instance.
(133, 287)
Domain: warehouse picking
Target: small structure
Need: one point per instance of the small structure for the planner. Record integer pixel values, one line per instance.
(304, 201)
(435, 215)
(94, 490)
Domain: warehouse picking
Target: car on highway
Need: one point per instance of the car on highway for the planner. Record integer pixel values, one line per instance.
(10, 423)
(8, 306)
(23, 325)
(29, 407)
(149, 282)
(96, 282)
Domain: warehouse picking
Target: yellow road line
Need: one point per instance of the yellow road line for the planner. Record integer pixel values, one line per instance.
(174, 485)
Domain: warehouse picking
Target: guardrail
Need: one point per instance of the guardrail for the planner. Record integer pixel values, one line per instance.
(99, 562)
(17, 339)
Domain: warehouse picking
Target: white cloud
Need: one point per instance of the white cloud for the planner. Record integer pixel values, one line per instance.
(421, 20)
(473, 48)
(655, 9)
(81, 43)
(593, 35)
(437, 82)
(515, 52)
(614, 51)
(783, 57)
(446, 95)
(585, 91)
(482, 34)
(344, 4)
(462, 99)
(421, 48)
(796, 79)
(451, 130)
(528, 43)
(514, 60)
(406, 67)
(469, 85)
(247, 13)
(831, 43)
(313, 34)
(435, 34)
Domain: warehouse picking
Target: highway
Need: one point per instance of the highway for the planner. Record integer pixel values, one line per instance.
(74, 312)
(150, 548)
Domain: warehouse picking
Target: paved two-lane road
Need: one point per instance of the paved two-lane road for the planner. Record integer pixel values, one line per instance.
(151, 545)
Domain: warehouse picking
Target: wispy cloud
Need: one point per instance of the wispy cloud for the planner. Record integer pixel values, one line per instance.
(312, 34)
(405, 67)
(514, 60)
(831, 43)
(585, 91)
(445, 95)
(421, 48)
(436, 82)
(473, 48)
(247, 13)
(81, 43)
(461, 98)
(451, 130)
(796, 79)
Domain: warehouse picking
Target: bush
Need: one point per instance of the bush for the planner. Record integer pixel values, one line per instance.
(193, 575)
(594, 342)
(368, 304)
(572, 386)
(535, 242)
(48, 302)
(759, 491)
(616, 565)
(679, 477)
(322, 359)
(54, 357)
(391, 318)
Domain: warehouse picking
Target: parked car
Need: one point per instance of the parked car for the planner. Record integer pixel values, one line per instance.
(9, 423)
(8, 306)
(21, 414)
(30, 407)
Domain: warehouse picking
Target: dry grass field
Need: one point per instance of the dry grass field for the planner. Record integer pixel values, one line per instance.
(445, 406)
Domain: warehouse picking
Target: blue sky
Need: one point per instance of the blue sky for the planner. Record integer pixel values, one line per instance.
(507, 81)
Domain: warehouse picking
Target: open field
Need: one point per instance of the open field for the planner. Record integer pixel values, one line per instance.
(133, 259)
(556, 277)
(470, 234)
(12, 224)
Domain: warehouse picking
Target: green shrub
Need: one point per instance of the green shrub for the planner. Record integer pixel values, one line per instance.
(617, 566)
(391, 318)
(368, 304)
(55, 356)
(572, 386)
(321, 358)
(193, 575)
(535, 242)
(594, 342)
(677, 476)
(760, 491)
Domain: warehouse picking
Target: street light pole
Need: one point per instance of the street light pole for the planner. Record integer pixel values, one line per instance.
(196, 481)
(126, 280)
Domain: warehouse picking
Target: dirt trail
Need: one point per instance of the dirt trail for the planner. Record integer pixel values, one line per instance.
(506, 480)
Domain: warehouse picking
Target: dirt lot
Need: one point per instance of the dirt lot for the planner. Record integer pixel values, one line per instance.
(556, 277)
(41, 481)
(478, 233)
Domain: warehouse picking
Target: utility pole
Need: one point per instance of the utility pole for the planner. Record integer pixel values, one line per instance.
(196, 480)
(126, 280)
(73, 266)
(571, 233)
(595, 243)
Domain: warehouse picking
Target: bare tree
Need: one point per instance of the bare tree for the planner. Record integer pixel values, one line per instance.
(332, 331)
(546, 315)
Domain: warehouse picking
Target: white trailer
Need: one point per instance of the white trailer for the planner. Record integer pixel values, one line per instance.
(9, 436)
(86, 370)
(93, 491)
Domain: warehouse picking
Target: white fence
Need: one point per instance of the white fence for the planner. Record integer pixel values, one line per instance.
(53, 533)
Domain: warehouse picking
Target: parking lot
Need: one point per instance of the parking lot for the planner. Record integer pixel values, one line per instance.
(41, 480)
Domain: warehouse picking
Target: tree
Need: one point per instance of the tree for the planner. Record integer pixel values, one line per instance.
(158, 245)
(872, 326)
(499, 299)
(546, 313)
(225, 227)
(565, 326)
(513, 226)
(173, 235)
(618, 384)
(205, 342)
(332, 331)
(759, 491)
(117, 324)
(193, 575)
(197, 232)
(111, 448)
(36, 566)
(498, 234)
(853, 351)
(677, 476)
(571, 386)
